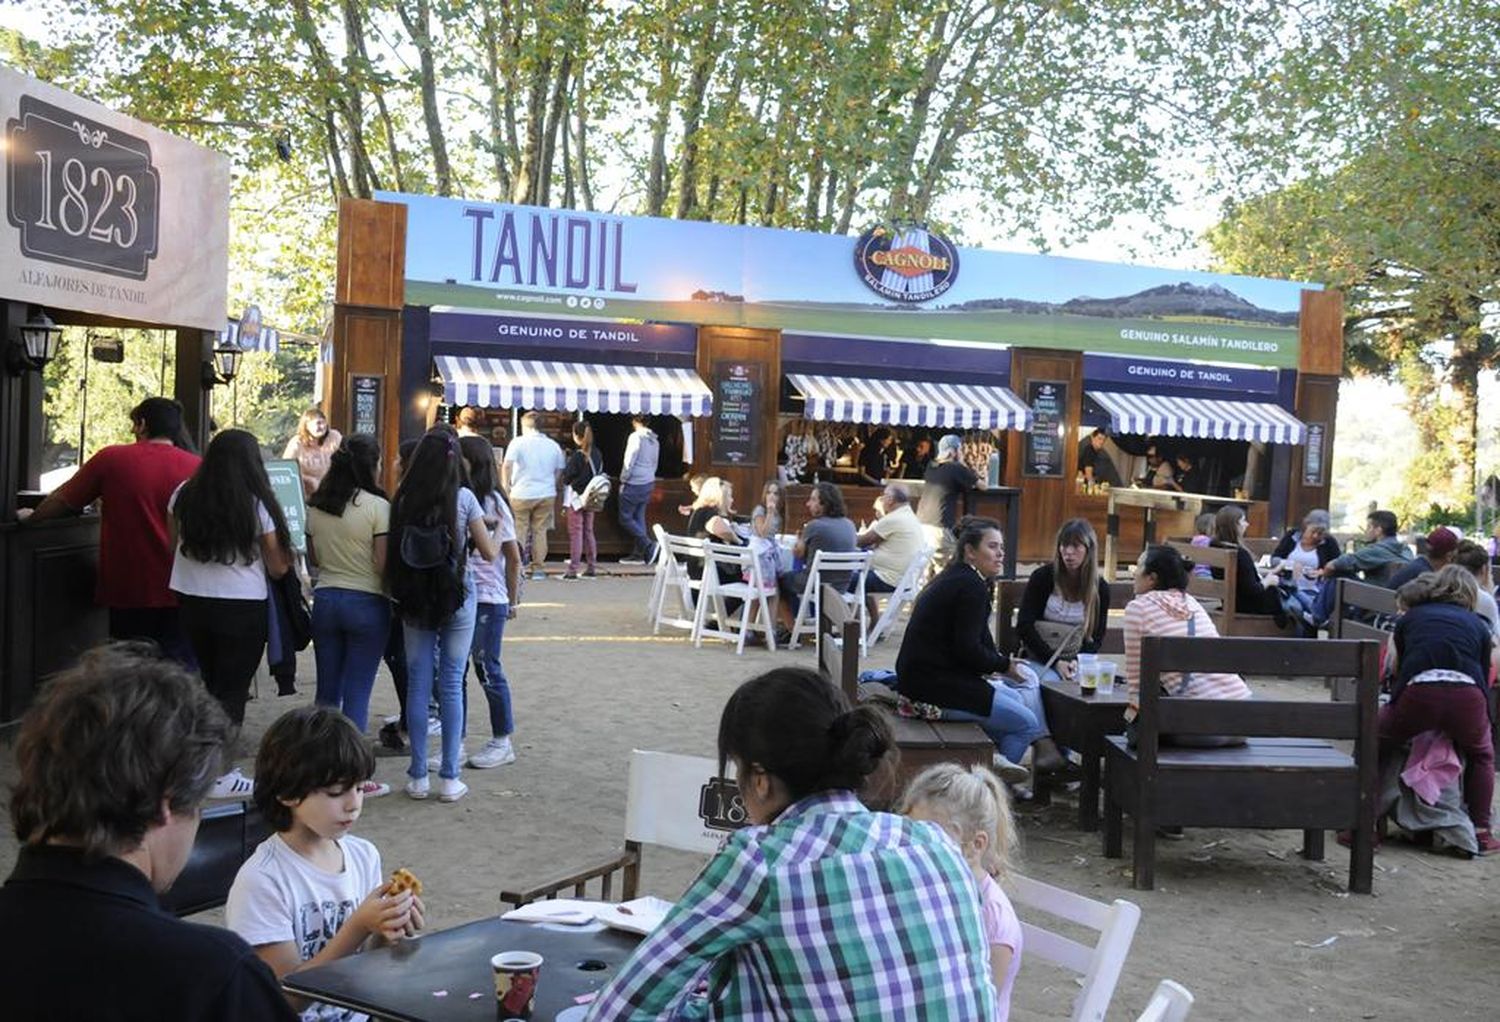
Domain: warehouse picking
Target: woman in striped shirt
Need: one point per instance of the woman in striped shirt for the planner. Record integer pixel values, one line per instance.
(820, 909)
(1163, 607)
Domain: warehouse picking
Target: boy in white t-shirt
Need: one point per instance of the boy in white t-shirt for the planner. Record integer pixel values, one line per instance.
(312, 893)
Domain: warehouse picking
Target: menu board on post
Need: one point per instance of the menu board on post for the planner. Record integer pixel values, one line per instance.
(286, 483)
(739, 391)
(1312, 455)
(364, 404)
(1045, 449)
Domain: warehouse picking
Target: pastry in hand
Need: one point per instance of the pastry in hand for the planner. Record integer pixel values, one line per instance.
(403, 880)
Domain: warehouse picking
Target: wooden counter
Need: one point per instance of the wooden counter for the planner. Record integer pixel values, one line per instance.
(48, 616)
(1134, 518)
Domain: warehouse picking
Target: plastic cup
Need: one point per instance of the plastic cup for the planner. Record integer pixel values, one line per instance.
(1088, 673)
(516, 975)
(1106, 669)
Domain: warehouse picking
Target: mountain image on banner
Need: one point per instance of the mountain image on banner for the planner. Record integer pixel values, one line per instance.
(1195, 301)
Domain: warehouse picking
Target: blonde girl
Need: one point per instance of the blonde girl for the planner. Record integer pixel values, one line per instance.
(973, 808)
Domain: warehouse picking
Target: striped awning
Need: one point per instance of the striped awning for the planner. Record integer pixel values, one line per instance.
(572, 386)
(1159, 415)
(268, 339)
(910, 403)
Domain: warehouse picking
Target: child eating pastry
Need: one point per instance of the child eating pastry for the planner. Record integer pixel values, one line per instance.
(312, 892)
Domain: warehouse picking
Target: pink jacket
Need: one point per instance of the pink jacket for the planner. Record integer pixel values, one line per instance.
(1167, 612)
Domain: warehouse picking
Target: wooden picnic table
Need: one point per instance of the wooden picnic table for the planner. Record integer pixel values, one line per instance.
(1082, 723)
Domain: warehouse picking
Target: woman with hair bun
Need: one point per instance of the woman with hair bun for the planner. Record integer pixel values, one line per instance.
(821, 908)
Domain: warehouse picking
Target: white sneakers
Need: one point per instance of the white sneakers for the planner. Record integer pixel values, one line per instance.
(450, 789)
(496, 752)
(1010, 773)
(234, 785)
(374, 789)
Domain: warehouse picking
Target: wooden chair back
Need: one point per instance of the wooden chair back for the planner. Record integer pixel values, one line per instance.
(838, 661)
(1261, 546)
(1100, 963)
(1354, 595)
(1218, 594)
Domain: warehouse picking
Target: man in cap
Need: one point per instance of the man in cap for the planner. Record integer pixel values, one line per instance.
(946, 479)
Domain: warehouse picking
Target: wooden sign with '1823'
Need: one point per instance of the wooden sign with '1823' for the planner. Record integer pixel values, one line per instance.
(82, 193)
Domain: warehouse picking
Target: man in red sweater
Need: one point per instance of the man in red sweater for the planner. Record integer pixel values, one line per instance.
(134, 482)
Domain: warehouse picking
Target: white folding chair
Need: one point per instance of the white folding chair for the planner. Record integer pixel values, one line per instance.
(742, 563)
(1100, 965)
(673, 801)
(1172, 1002)
(852, 564)
(906, 592)
(677, 552)
(662, 565)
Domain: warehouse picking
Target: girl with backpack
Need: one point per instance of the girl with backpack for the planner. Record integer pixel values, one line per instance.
(579, 500)
(497, 591)
(433, 519)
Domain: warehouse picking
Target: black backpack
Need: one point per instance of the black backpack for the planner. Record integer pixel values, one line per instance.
(429, 587)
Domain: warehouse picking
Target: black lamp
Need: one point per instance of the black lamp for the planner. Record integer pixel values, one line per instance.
(225, 366)
(38, 342)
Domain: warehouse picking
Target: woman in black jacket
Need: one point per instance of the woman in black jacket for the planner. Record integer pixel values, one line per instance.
(1251, 595)
(1068, 592)
(948, 652)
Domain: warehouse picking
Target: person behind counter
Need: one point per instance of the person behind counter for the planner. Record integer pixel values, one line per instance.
(1188, 478)
(945, 480)
(312, 447)
(881, 458)
(917, 461)
(1158, 474)
(134, 482)
(1094, 461)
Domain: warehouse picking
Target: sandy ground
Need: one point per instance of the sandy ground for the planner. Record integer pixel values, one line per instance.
(1237, 916)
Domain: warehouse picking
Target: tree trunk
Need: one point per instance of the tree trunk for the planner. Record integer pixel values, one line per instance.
(499, 152)
(355, 31)
(419, 28)
(580, 147)
(658, 181)
(556, 119)
(704, 62)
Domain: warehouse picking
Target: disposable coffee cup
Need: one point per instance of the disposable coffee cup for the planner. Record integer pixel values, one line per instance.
(516, 975)
(1106, 675)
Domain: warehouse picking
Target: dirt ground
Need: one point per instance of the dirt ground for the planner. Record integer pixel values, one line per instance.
(1254, 931)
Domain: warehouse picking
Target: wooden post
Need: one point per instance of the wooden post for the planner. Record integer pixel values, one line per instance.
(369, 293)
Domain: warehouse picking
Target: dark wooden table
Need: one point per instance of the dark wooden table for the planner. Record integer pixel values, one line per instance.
(400, 982)
(1081, 723)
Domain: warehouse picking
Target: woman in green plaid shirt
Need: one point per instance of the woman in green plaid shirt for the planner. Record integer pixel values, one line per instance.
(821, 909)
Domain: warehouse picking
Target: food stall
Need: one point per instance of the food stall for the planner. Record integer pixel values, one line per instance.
(109, 223)
(807, 344)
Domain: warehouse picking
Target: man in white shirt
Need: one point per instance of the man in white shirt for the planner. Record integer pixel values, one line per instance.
(533, 465)
(897, 537)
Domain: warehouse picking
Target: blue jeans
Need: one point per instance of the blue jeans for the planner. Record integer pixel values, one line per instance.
(446, 649)
(349, 631)
(489, 630)
(1010, 724)
(633, 500)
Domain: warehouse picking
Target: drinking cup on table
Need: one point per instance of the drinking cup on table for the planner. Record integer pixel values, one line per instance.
(516, 975)
(1088, 664)
(1106, 675)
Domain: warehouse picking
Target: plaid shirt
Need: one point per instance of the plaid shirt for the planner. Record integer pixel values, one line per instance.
(830, 912)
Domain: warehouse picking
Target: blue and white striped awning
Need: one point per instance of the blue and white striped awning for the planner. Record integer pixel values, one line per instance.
(910, 403)
(268, 339)
(1159, 415)
(572, 386)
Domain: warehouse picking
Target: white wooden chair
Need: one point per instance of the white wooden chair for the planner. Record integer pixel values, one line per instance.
(906, 591)
(751, 591)
(672, 801)
(853, 565)
(1172, 1002)
(1100, 965)
(675, 582)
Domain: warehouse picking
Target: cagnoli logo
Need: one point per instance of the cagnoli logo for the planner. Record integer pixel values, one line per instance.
(905, 263)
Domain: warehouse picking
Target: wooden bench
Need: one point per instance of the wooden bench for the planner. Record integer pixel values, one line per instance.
(1008, 605)
(1286, 776)
(1218, 594)
(920, 743)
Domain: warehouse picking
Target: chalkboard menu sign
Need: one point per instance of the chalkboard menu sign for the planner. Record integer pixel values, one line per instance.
(1045, 450)
(1313, 455)
(739, 391)
(286, 483)
(364, 404)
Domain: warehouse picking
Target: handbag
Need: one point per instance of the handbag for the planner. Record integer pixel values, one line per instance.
(1065, 640)
(291, 609)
